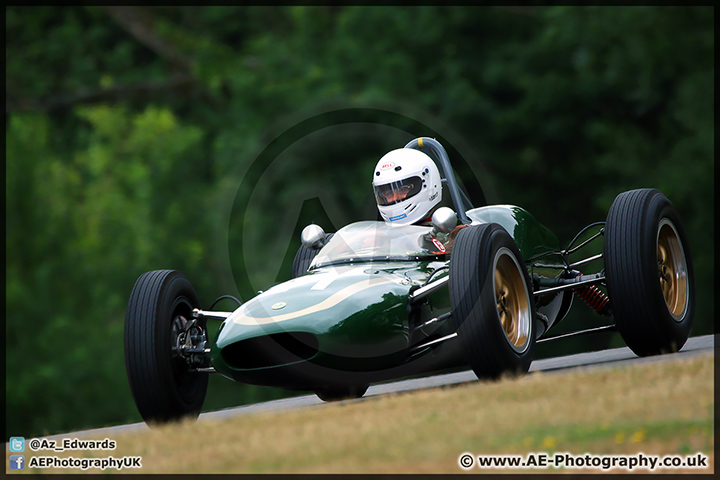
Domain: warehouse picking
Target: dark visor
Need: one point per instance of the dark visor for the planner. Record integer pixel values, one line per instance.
(394, 192)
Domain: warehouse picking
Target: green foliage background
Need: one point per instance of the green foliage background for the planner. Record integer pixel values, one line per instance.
(129, 132)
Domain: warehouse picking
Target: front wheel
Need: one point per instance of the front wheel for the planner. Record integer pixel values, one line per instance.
(159, 311)
(492, 302)
(649, 272)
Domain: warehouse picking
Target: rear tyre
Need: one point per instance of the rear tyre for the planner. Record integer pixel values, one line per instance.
(303, 259)
(162, 386)
(336, 393)
(649, 272)
(492, 302)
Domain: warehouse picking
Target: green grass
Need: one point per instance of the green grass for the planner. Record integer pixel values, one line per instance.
(659, 408)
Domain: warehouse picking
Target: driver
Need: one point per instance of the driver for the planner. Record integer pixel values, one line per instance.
(407, 188)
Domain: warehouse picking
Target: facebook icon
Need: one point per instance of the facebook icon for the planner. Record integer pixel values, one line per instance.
(17, 462)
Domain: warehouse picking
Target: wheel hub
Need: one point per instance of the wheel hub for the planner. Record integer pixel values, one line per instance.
(511, 301)
(189, 341)
(672, 269)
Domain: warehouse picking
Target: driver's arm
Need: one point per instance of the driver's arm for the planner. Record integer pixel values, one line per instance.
(451, 237)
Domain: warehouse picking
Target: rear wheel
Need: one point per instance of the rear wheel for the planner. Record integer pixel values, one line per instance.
(492, 302)
(336, 393)
(649, 272)
(159, 310)
(303, 259)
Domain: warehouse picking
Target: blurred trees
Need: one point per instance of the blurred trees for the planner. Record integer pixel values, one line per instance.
(133, 136)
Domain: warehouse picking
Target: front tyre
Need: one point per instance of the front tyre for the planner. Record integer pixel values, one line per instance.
(162, 386)
(492, 302)
(649, 272)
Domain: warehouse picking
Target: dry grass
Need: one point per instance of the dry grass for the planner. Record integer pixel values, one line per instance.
(655, 408)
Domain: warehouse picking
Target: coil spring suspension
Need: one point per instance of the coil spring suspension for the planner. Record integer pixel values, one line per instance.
(595, 298)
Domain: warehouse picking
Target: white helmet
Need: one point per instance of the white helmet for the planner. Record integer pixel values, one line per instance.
(407, 186)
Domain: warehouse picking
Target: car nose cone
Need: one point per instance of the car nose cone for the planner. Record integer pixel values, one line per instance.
(346, 316)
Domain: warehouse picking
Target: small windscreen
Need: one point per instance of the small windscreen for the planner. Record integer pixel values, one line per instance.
(375, 240)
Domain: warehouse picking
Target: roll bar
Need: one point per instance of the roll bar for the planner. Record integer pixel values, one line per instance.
(460, 200)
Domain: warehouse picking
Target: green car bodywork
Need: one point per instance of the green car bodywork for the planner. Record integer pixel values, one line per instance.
(351, 319)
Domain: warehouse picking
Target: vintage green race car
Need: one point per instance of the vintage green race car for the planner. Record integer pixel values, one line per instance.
(372, 302)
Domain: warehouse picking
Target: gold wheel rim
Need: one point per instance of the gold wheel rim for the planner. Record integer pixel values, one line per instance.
(511, 298)
(672, 269)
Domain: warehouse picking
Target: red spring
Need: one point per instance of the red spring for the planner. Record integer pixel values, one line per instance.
(595, 298)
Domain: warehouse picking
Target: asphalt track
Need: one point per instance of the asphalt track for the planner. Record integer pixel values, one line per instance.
(594, 360)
